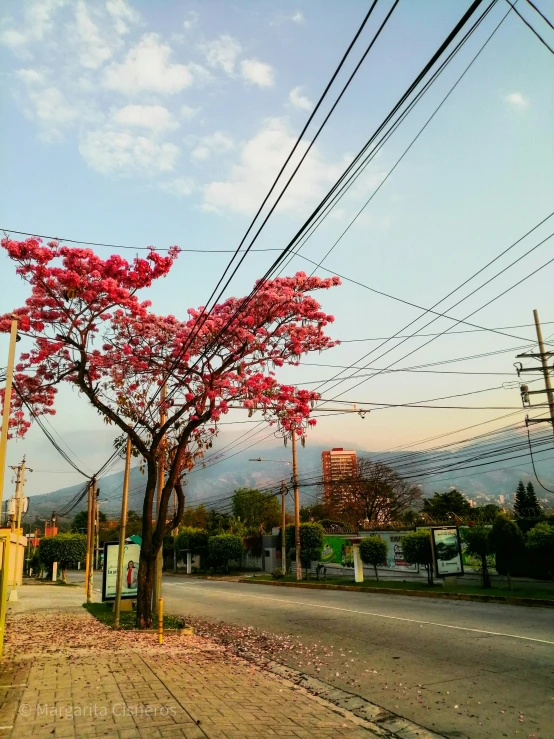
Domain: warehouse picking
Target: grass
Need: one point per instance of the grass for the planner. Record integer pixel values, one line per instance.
(127, 619)
(501, 589)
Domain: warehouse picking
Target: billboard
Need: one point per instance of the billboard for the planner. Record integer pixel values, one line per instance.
(338, 550)
(447, 551)
(131, 556)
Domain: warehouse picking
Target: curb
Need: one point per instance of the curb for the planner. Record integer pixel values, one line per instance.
(506, 600)
(378, 720)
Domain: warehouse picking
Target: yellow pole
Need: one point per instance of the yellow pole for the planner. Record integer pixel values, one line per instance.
(160, 620)
(7, 403)
(90, 578)
(4, 591)
(122, 530)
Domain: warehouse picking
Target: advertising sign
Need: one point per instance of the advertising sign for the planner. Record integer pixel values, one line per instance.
(337, 550)
(131, 557)
(395, 555)
(447, 551)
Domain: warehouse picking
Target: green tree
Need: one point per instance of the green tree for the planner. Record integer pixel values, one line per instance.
(80, 522)
(507, 542)
(217, 523)
(486, 513)
(534, 508)
(417, 550)
(195, 517)
(193, 540)
(311, 542)
(540, 542)
(257, 511)
(223, 547)
(373, 551)
(479, 544)
(520, 501)
(442, 505)
(65, 549)
(310, 513)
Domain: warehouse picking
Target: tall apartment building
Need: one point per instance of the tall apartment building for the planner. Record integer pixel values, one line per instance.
(338, 464)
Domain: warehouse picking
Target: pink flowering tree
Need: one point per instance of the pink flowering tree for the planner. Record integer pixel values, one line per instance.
(89, 329)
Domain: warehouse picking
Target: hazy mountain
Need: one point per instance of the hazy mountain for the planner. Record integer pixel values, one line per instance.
(216, 481)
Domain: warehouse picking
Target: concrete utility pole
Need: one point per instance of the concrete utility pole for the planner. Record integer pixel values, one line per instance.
(296, 507)
(97, 532)
(543, 356)
(122, 531)
(16, 522)
(88, 588)
(283, 525)
(92, 518)
(157, 589)
(7, 404)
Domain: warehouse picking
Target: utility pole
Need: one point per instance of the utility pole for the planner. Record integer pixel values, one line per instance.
(17, 486)
(175, 533)
(19, 491)
(157, 589)
(543, 356)
(122, 531)
(283, 525)
(88, 589)
(92, 518)
(7, 404)
(296, 507)
(97, 532)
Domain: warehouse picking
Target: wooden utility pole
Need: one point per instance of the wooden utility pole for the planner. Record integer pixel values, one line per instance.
(97, 532)
(296, 507)
(122, 531)
(17, 486)
(90, 579)
(88, 590)
(7, 404)
(175, 533)
(545, 368)
(283, 526)
(157, 589)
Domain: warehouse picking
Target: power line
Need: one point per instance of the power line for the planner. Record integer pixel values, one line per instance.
(537, 34)
(465, 331)
(545, 19)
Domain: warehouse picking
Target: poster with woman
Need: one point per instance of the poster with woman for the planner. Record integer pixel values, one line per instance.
(131, 556)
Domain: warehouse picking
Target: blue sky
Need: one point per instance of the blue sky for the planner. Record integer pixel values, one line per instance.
(165, 123)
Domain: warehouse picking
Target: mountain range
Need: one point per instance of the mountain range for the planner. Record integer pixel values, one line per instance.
(219, 479)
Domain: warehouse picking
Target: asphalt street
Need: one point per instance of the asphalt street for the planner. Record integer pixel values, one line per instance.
(459, 668)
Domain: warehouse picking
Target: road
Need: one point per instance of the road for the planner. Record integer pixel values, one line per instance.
(459, 668)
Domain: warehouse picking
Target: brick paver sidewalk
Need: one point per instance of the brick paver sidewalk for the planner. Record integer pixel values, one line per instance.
(66, 675)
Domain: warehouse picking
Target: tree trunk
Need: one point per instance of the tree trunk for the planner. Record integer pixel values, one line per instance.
(509, 579)
(485, 572)
(376, 574)
(429, 574)
(64, 574)
(148, 555)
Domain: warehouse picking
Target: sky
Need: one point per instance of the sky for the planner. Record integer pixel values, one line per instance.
(142, 123)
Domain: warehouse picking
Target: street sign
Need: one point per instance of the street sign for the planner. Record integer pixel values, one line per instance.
(131, 558)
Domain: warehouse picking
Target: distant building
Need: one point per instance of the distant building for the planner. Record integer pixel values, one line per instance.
(338, 464)
(501, 499)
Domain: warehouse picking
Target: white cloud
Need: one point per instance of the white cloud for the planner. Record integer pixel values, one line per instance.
(118, 152)
(181, 187)
(517, 100)
(147, 68)
(122, 14)
(223, 53)
(31, 76)
(258, 73)
(37, 24)
(298, 17)
(51, 106)
(154, 117)
(297, 100)
(188, 113)
(93, 50)
(260, 160)
(216, 143)
(191, 20)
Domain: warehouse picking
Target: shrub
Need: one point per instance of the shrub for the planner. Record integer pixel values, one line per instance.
(277, 573)
(193, 540)
(223, 547)
(540, 543)
(65, 549)
(479, 544)
(507, 541)
(417, 550)
(373, 551)
(311, 541)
